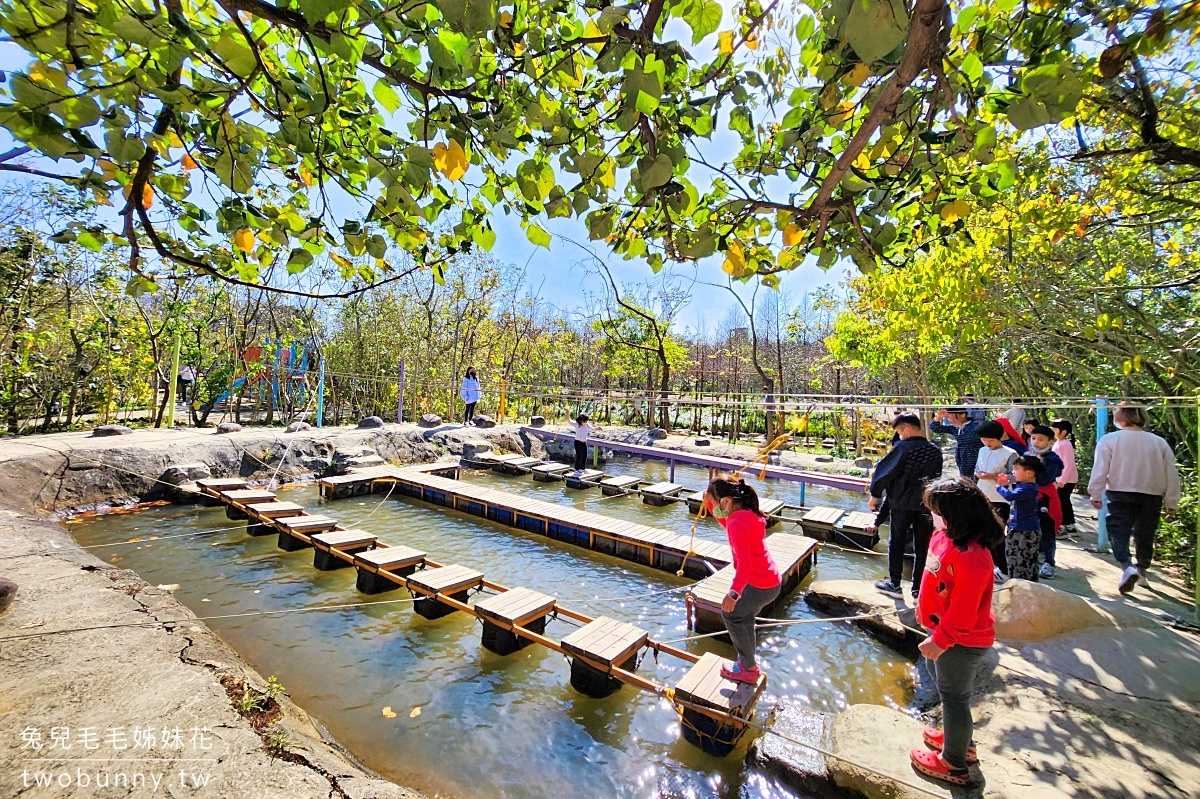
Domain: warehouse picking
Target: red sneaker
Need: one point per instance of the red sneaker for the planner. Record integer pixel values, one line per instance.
(936, 739)
(739, 674)
(931, 765)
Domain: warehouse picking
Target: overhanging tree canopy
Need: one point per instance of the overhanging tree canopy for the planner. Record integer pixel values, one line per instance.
(238, 135)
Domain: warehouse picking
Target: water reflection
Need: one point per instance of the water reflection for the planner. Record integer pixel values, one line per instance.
(492, 726)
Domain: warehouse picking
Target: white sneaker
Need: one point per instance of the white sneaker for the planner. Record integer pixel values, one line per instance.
(998, 576)
(1144, 578)
(1046, 572)
(1129, 579)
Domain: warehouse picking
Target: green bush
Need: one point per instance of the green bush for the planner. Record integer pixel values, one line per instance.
(1176, 542)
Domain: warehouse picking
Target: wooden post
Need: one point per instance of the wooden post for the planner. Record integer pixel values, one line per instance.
(173, 381)
(321, 392)
(400, 395)
(1101, 521)
(503, 398)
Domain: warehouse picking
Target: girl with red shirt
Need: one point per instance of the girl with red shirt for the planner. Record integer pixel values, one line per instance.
(756, 579)
(955, 605)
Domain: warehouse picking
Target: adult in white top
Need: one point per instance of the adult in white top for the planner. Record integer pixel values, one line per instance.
(1015, 414)
(470, 393)
(1135, 473)
(579, 425)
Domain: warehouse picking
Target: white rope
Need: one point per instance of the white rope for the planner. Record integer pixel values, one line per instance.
(788, 623)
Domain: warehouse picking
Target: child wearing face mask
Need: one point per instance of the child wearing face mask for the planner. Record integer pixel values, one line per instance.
(756, 579)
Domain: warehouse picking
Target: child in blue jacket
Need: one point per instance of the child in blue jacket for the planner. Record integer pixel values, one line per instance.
(1024, 518)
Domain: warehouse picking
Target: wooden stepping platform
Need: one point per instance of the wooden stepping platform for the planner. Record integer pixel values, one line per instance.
(236, 500)
(517, 607)
(694, 501)
(621, 484)
(356, 483)
(794, 556)
(396, 559)
(295, 531)
(583, 478)
(771, 508)
(213, 485)
(453, 581)
(608, 642)
(336, 549)
(853, 530)
(274, 510)
(498, 458)
(518, 465)
(547, 472)
(703, 685)
(660, 494)
(818, 522)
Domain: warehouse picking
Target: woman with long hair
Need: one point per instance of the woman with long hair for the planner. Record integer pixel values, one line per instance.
(470, 393)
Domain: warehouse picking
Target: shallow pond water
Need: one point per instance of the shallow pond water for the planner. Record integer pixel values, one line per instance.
(491, 726)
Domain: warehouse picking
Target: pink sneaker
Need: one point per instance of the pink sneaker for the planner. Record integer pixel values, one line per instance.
(739, 674)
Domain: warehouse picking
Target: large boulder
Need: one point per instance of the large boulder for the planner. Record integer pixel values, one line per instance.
(537, 421)
(823, 458)
(887, 619)
(430, 420)
(1028, 611)
(802, 769)
(370, 423)
(228, 427)
(484, 421)
(180, 473)
(471, 450)
(863, 462)
(8, 592)
(656, 434)
(702, 442)
(298, 427)
(105, 430)
(878, 738)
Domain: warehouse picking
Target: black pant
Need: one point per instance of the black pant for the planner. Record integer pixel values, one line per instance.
(918, 523)
(999, 559)
(469, 413)
(1064, 499)
(1132, 513)
(580, 454)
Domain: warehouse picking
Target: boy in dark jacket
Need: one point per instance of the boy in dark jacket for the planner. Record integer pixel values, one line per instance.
(1024, 525)
(1041, 443)
(903, 473)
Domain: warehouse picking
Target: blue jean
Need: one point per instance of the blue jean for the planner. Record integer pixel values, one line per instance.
(955, 674)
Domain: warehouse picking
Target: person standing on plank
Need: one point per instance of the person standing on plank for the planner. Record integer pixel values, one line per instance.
(756, 580)
(965, 432)
(902, 474)
(470, 394)
(579, 425)
(1135, 470)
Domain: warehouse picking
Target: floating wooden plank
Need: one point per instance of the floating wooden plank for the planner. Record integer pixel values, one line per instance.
(853, 529)
(374, 566)
(612, 643)
(519, 465)
(214, 484)
(274, 510)
(695, 500)
(306, 524)
(246, 496)
(583, 478)
(818, 522)
(704, 687)
(621, 484)
(450, 581)
(515, 607)
(771, 508)
(336, 549)
(660, 494)
(546, 472)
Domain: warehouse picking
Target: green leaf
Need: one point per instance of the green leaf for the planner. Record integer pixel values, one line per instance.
(704, 19)
(655, 173)
(485, 237)
(538, 235)
(1027, 113)
(386, 95)
(972, 67)
(318, 10)
(235, 173)
(875, 28)
(298, 260)
(535, 180)
(235, 54)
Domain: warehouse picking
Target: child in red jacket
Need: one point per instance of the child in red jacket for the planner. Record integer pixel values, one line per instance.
(756, 579)
(956, 607)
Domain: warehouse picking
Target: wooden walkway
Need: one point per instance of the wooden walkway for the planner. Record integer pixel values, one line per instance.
(604, 653)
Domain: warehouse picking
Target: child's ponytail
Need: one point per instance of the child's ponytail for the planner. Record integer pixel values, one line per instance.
(727, 485)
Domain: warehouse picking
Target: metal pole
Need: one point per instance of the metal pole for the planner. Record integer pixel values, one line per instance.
(1101, 520)
(321, 392)
(400, 395)
(503, 398)
(173, 382)
(671, 476)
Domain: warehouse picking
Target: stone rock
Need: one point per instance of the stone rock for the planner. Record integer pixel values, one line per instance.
(858, 597)
(430, 420)
(297, 427)
(106, 430)
(471, 450)
(702, 442)
(365, 462)
(863, 462)
(800, 768)
(484, 421)
(537, 421)
(656, 434)
(343, 454)
(228, 427)
(880, 738)
(370, 423)
(823, 458)
(1028, 611)
(180, 473)
(8, 592)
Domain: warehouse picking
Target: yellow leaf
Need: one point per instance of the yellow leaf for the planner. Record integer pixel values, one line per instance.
(858, 75)
(188, 162)
(416, 711)
(341, 261)
(243, 239)
(451, 161)
(173, 139)
(108, 168)
(518, 47)
(592, 31)
(735, 260)
(929, 196)
(305, 175)
(1081, 230)
(844, 109)
(955, 210)
(147, 196)
(725, 43)
(388, 713)
(792, 235)
(752, 41)
(862, 162)
(1056, 237)
(505, 19)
